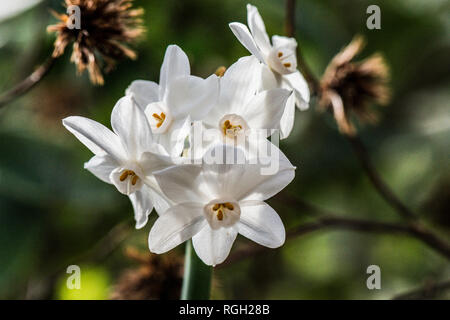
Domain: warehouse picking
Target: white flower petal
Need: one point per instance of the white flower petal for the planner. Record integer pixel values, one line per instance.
(239, 84)
(256, 179)
(213, 246)
(258, 29)
(131, 125)
(261, 224)
(280, 41)
(144, 92)
(269, 79)
(264, 111)
(95, 136)
(142, 205)
(182, 184)
(151, 162)
(199, 183)
(101, 166)
(243, 34)
(298, 83)
(265, 185)
(288, 117)
(178, 224)
(192, 96)
(173, 139)
(175, 64)
(160, 202)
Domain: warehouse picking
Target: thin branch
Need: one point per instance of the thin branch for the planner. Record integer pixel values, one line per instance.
(428, 291)
(331, 221)
(363, 157)
(414, 228)
(313, 83)
(355, 141)
(27, 84)
(322, 223)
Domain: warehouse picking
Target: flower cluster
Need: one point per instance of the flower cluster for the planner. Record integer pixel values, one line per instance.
(208, 189)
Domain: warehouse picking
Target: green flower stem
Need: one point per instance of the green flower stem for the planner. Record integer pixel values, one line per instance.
(197, 276)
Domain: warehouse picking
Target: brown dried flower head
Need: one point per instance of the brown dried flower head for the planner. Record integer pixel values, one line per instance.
(349, 87)
(157, 277)
(106, 28)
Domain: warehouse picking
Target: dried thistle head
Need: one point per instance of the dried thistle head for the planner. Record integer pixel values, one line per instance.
(157, 277)
(106, 28)
(349, 87)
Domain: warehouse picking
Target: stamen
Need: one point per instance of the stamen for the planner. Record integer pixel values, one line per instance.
(124, 175)
(230, 129)
(220, 215)
(280, 54)
(287, 65)
(159, 118)
(129, 173)
(229, 206)
(218, 209)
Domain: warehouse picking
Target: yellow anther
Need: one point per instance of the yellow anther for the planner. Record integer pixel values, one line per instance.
(228, 205)
(229, 128)
(287, 65)
(126, 173)
(220, 215)
(159, 118)
(219, 208)
(220, 71)
(280, 54)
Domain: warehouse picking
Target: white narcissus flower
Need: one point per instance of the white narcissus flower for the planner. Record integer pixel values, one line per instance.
(126, 156)
(178, 99)
(215, 202)
(241, 109)
(279, 60)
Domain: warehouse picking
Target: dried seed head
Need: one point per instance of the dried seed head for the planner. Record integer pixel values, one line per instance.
(106, 28)
(157, 277)
(349, 87)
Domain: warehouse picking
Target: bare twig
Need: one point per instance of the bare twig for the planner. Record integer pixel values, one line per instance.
(326, 220)
(27, 84)
(356, 143)
(313, 83)
(414, 228)
(363, 157)
(428, 291)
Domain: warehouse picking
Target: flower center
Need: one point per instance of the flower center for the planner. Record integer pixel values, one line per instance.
(283, 60)
(222, 213)
(219, 209)
(232, 126)
(231, 130)
(129, 174)
(159, 118)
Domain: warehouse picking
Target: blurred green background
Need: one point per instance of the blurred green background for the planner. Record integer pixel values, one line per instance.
(53, 213)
